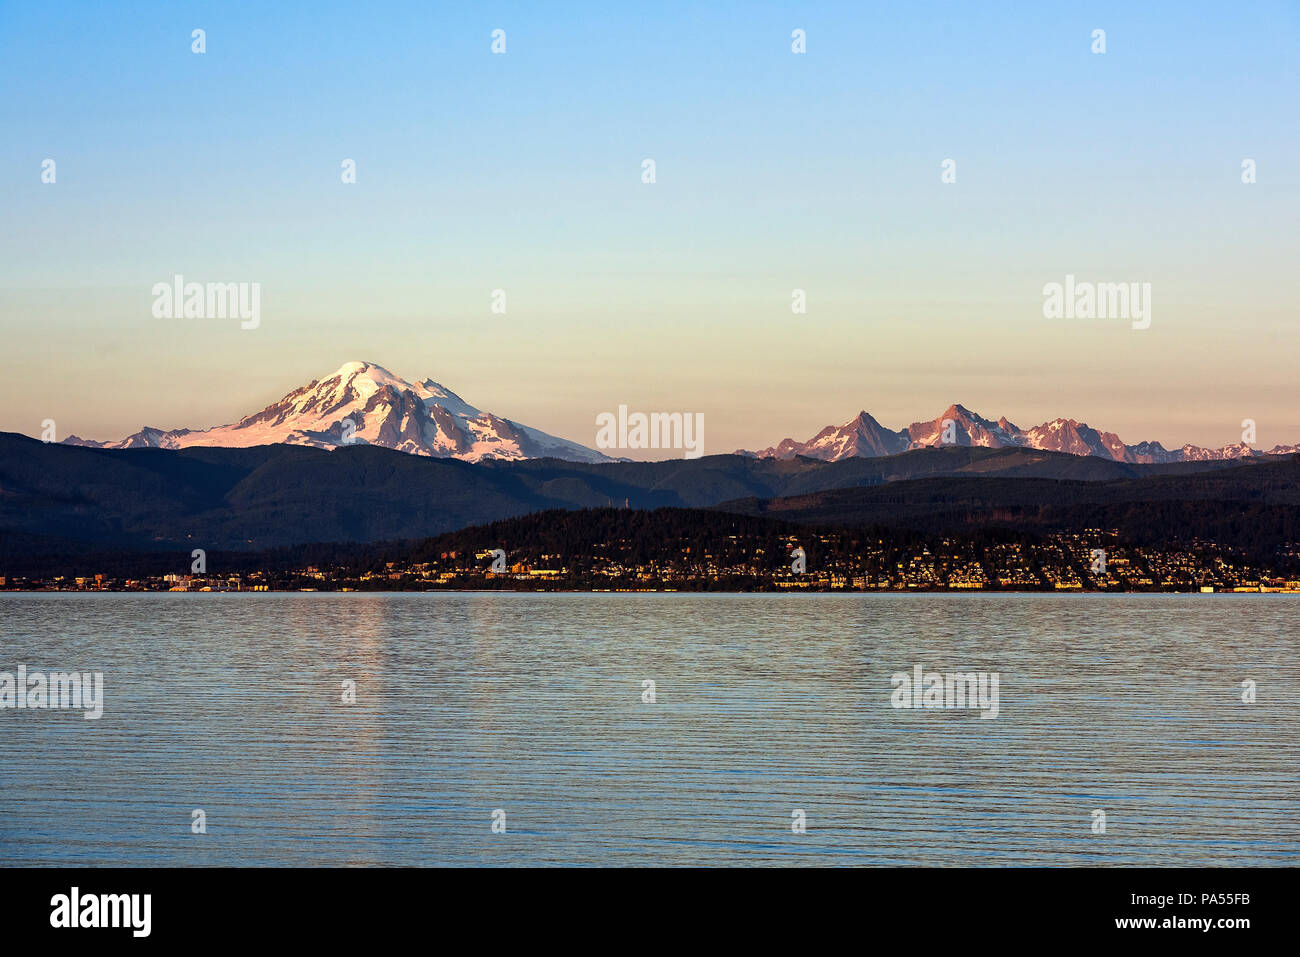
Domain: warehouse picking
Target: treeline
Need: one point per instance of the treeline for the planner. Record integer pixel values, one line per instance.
(582, 541)
(677, 538)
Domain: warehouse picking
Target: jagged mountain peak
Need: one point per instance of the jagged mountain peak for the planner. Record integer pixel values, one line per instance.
(960, 425)
(860, 436)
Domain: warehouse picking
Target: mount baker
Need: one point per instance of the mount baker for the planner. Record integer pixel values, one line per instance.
(364, 404)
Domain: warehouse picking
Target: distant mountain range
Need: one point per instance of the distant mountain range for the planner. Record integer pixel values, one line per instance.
(864, 437)
(364, 404)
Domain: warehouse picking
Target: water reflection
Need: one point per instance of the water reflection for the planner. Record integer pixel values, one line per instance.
(532, 704)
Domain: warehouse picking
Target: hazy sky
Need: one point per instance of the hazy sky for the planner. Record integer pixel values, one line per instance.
(774, 171)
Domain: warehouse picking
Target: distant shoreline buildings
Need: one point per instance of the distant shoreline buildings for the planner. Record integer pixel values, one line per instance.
(1092, 561)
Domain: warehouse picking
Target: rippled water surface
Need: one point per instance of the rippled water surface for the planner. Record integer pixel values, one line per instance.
(532, 704)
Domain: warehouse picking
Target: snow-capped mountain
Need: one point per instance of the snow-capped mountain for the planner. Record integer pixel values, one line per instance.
(363, 403)
(969, 428)
(864, 437)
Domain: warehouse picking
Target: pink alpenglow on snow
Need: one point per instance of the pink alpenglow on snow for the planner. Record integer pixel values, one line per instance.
(364, 404)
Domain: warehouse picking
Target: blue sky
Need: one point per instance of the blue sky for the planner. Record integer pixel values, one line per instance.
(774, 171)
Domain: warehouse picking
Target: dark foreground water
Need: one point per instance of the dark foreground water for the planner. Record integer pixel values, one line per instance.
(765, 705)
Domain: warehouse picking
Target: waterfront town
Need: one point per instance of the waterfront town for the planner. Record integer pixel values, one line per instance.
(1092, 560)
